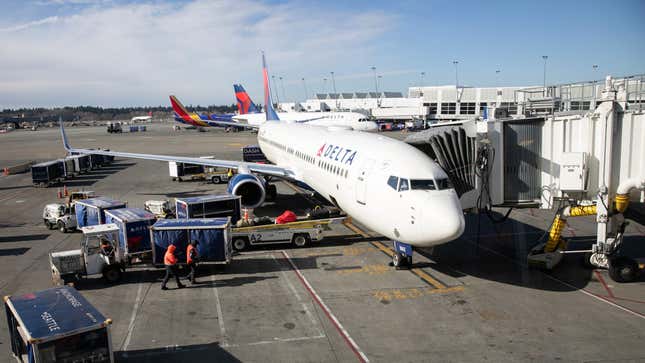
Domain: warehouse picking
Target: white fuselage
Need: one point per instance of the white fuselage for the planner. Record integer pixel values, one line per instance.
(355, 120)
(356, 170)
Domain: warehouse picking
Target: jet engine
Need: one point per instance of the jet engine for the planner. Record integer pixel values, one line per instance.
(250, 187)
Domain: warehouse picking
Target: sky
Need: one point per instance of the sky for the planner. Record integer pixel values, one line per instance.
(115, 53)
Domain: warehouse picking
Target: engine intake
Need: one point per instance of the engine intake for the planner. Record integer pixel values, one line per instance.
(250, 188)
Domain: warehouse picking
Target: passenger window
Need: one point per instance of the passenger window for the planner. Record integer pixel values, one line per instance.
(393, 182)
(403, 185)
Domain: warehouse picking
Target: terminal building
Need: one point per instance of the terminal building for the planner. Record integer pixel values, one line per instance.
(454, 103)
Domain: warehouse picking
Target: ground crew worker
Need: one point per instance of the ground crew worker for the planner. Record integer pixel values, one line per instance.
(230, 173)
(106, 248)
(170, 261)
(192, 256)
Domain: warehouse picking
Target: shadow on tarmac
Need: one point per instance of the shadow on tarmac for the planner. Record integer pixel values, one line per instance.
(24, 238)
(211, 352)
(95, 175)
(17, 187)
(14, 251)
(500, 255)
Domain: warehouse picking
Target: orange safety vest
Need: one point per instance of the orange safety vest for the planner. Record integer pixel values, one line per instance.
(189, 251)
(169, 258)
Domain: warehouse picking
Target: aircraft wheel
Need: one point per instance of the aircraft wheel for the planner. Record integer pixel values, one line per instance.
(48, 225)
(398, 260)
(61, 227)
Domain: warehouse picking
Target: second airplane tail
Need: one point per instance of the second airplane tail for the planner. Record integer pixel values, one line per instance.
(244, 103)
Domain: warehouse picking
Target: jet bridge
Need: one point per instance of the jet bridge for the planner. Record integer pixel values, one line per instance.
(589, 162)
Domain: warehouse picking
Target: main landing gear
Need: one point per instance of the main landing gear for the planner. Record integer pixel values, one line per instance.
(402, 256)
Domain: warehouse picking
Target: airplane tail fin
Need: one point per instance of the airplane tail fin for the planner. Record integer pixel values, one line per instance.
(180, 110)
(63, 135)
(244, 103)
(271, 115)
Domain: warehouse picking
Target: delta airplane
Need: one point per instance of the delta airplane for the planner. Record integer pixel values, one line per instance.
(355, 120)
(386, 185)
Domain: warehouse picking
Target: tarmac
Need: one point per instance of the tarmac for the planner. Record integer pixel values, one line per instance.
(469, 300)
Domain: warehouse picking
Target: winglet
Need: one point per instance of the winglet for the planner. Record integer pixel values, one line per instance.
(63, 135)
(268, 103)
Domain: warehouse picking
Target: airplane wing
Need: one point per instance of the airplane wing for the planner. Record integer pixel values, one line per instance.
(240, 166)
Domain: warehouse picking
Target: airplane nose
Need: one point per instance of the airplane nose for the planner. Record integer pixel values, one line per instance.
(444, 218)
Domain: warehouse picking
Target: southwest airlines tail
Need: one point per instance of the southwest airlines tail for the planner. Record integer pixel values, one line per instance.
(268, 103)
(244, 103)
(182, 115)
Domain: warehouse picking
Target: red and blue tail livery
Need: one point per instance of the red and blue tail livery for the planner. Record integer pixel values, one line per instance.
(271, 115)
(244, 103)
(182, 115)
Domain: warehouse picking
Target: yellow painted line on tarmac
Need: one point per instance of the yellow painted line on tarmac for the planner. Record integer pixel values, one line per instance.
(348, 223)
(427, 278)
(235, 144)
(411, 293)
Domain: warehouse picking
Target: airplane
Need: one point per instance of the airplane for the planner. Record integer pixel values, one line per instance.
(244, 106)
(142, 118)
(386, 185)
(355, 120)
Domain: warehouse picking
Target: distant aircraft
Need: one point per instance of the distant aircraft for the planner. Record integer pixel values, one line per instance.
(390, 187)
(355, 120)
(142, 118)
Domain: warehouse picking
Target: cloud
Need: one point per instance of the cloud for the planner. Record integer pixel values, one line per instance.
(138, 54)
(31, 24)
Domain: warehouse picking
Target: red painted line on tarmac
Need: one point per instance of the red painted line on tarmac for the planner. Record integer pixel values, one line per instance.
(350, 342)
(604, 284)
(607, 300)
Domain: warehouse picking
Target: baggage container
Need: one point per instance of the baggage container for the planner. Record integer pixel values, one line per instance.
(210, 206)
(133, 223)
(57, 325)
(178, 170)
(134, 128)
(90, 212)
(142, 128)
(213, 235)
(47, 173)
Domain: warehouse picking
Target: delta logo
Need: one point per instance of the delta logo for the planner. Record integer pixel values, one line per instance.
(337, 153)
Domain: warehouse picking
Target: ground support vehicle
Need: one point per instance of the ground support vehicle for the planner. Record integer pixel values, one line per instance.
(162, 209)
(210, 206)
(59, 216)
(300, 233)
(181, 171)
(133, 223)
(47, 173)
(57, 325)
(253, 154)
(114, 127)
(212, 234)
(90, 212)
(91, 258)
(77, 195)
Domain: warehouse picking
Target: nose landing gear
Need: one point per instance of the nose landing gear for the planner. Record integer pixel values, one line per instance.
(402, 256)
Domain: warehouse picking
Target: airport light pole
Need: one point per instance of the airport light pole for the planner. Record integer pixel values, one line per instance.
(282, 85)
(497, 72)
(304, 84)
(275, 90)
(423, 74)
(595, 80)
(375, 79)
(456, 73)
(324, 85)
(333, 83)
(545, 57)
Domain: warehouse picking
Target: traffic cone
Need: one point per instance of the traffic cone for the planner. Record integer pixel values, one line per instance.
(59, 194)
(65, 192)
(246, 215)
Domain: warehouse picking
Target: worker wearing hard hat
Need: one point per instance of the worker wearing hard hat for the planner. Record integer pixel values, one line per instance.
(170, 260)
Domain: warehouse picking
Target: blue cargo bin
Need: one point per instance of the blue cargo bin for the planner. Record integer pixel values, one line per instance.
(213, 235)
(210, 206)
(57, 325)
(90, 212)
(133, 223)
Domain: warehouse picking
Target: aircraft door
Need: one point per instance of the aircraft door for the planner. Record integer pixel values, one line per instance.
(361, 181)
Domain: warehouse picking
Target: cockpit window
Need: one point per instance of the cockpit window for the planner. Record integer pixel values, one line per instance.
(403, 185)
(444, 184)
(393, 181)
(422, 184)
